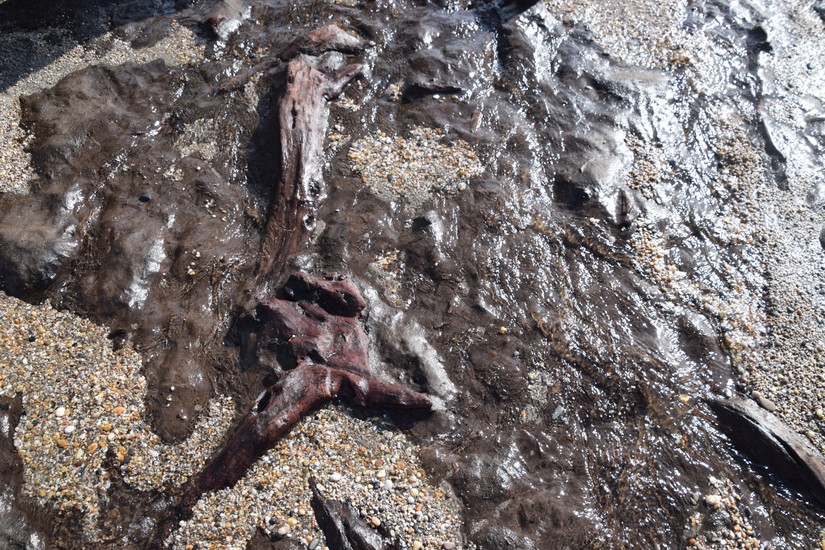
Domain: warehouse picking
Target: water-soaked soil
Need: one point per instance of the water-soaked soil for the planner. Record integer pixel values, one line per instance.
(568, 357)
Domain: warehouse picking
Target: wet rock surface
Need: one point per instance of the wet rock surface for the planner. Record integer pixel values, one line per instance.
(643, 235)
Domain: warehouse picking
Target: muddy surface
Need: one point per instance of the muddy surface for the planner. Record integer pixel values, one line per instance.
(562, 423)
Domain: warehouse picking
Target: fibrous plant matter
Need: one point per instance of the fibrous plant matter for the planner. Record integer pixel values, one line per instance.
(314, 43)
(343, 527)
(315, 323)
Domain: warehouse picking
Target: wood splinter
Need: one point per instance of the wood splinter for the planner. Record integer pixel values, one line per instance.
(343, 527)
(767, 440)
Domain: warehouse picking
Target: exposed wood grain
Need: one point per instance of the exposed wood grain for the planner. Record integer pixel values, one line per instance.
(303, 116)
(330, 349)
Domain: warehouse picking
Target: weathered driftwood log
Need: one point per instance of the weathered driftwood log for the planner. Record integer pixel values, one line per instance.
(315, 321)
(343, 527)
(303, 115)
(330, 350)
(767, 440)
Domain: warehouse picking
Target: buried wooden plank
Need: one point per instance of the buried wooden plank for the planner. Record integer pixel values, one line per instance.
(767, 440)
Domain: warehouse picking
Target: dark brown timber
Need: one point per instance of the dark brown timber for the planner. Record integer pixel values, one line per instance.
(303, 114)
(321, 331)
(767, 440)
(343, 527)
(315, 321)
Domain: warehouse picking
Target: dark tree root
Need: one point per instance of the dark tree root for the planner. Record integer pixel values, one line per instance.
(314, 43)
(317, 323)
(343, 527)
(330, 349)
(337, 296)
(303, 112)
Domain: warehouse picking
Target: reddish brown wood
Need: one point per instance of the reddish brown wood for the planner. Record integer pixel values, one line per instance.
(337, 296)
(331, 356)
(314, 320)
(321, 40)
(303, 115)
(303, 112)
(314, 43)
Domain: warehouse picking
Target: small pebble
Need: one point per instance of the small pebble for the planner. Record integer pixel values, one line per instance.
(766, 404)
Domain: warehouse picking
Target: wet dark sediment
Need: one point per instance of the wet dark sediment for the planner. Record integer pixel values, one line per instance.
(641, 237)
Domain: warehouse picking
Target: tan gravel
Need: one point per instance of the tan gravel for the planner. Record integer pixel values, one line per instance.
(363, 462)
(82, 402)
(408, 170)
